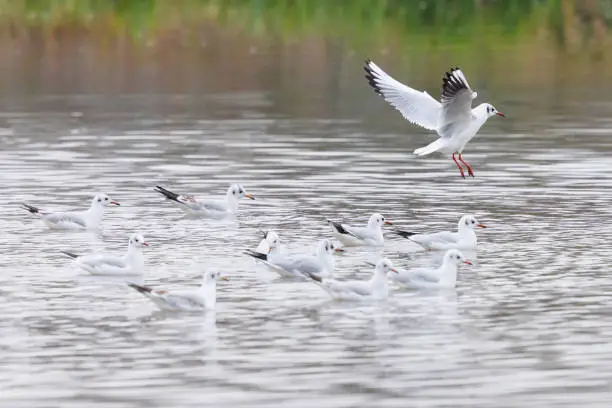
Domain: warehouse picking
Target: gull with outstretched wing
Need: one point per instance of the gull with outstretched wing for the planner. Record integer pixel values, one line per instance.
(452, 117)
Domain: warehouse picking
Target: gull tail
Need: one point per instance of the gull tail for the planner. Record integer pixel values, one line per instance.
(314, 277)
(31, 209)
(167, 193)
(71, 255)
(430, 148)
(142, 289)
(256, 255)
(338, 227)
(405, 234)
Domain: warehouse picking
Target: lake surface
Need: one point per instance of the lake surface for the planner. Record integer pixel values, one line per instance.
(529, 324)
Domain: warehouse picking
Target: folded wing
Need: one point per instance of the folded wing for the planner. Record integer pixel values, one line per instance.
(418, 275)
(185, 300)
(66, 220)
(212, 205)
(347, 288)
(444, 236)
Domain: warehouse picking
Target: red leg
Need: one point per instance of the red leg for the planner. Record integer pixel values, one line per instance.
(459, 166)
(469, 169)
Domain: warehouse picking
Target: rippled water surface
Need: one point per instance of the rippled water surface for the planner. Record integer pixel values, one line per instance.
(529, 324)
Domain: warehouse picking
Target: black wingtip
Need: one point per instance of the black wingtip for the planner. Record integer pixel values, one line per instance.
(405, 234)
(257, 255)
(370, 77)
(314, 277)
(451, 85)
(167, 193)
(338, 227)
(140, 288)
(70, 254)
(31, 209)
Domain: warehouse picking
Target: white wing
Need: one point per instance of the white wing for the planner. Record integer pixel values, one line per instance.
(416, 106)
(308, 265)
(456, 99)
(446, 237)
(341, 229)
(360, 232)
(212, 205)
(102, 259)
(65, 220)
(417, 275)
(300, 265)
(344, 289)
(102, 264)
(185, 300)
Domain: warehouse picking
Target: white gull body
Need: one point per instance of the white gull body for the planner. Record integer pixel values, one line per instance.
(464, 238)
(76, 220)
(210, 208)
(375, 288)
(300, 266)
(132, 263)
(445, 276)
(371, 234)
(453, 118)
(264, 245)
(202, 298)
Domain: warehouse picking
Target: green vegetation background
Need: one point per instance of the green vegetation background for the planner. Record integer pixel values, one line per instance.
(361, 21)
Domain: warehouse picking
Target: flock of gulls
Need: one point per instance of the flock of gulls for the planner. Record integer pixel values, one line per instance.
(455, 122)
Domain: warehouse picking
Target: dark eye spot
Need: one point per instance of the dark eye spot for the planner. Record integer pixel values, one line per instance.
(99, 200)
(106, 199)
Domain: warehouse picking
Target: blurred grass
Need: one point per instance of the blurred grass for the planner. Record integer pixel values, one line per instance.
(572, 23)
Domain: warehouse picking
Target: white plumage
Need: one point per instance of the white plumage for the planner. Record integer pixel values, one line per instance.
(77, 220)
(452, 118)
(132, 263)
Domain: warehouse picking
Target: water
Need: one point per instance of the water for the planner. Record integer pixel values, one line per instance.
(528, 324)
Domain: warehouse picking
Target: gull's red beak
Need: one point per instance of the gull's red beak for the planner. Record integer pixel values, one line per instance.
(145, 244)
(388, 223)
(114, 203)
(249, 196)
(500, 114)
(481, 226)
(467, 262)
(394, 270)
(338, 249)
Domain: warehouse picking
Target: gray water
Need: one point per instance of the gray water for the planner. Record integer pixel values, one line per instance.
(529, 324)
